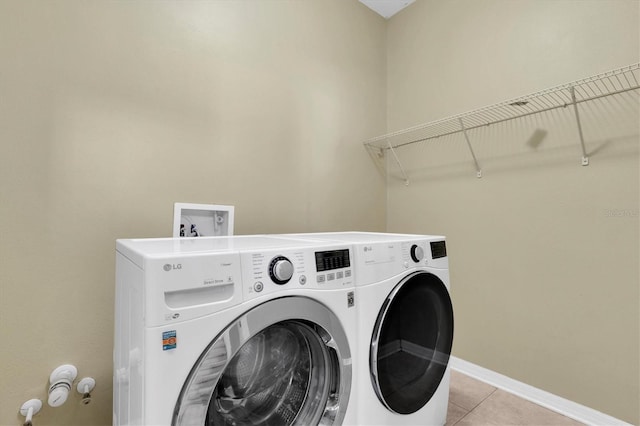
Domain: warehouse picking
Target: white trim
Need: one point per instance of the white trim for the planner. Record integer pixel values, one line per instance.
(545, 399)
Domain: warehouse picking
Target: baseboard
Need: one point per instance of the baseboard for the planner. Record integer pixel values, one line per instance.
(545, 399)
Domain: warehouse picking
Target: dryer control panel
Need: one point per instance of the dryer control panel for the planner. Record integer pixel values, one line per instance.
(378, 261)
(266, 272)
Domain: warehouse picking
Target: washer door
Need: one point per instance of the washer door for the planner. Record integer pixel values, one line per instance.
(285, 362)
(411, 343)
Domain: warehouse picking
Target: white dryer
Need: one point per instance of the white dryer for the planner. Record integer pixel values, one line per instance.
(405, 327)
(233, 331)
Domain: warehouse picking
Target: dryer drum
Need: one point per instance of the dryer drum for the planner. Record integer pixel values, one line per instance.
(411, 343)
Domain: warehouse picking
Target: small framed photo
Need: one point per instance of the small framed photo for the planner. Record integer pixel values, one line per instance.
(202, 220)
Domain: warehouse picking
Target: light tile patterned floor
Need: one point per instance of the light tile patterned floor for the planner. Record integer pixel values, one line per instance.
(472, 402)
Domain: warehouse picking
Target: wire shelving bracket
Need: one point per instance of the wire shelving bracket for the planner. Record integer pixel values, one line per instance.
(610, 83)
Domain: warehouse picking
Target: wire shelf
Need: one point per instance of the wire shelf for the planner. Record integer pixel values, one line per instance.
(571, 94)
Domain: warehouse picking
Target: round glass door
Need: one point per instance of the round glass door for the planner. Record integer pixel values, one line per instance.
(411, 343)
(279, 364)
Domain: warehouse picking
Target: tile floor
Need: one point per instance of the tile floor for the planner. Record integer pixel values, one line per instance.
(472, 402)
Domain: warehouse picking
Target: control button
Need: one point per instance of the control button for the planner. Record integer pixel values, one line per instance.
(258, 287)
(303, 280)
(406, 264)
(417, 253)
(331, 276)
(280, 270)
(339, 274)
(347, 273)
(320, 278)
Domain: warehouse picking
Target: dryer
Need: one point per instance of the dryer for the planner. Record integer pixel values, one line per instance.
(233, 330)
(405, 327)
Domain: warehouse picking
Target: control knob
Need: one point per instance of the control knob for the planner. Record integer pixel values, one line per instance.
(417, 253)
(280, 270)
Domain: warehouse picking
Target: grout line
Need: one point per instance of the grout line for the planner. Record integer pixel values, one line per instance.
(488, 396)
(466, 412)
(485, 398)
(469, 411)
(461, 418)
(480, 403)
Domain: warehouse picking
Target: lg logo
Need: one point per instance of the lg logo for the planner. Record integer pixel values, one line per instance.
(168, 266)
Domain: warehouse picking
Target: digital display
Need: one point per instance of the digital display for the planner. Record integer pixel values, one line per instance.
(438, 249)
(334, 259)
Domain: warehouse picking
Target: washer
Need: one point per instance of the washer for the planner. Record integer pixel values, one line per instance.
(233, 330)
(405, 327)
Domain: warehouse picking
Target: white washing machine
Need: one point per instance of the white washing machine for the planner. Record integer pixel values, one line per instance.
(405, 327)
(234, 331)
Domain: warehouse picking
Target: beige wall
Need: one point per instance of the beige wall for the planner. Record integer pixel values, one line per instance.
(544, 252)
(112, 111)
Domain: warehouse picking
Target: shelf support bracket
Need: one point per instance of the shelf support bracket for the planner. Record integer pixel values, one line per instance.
(404, 174)
(466, 137)
(585, 157)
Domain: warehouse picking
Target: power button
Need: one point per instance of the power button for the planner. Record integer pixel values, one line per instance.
(258, 286)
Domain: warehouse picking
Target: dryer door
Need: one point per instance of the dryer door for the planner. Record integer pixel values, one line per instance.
(411, 343)
(285, 362)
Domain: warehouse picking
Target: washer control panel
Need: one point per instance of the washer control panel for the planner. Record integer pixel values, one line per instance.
(265, 272)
